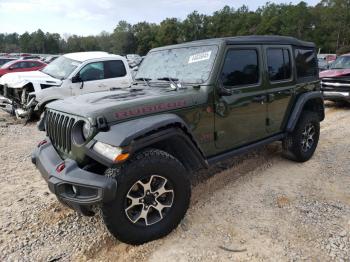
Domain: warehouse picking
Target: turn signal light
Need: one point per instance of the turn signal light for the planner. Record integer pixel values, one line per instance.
(121, 157)
(60, 167)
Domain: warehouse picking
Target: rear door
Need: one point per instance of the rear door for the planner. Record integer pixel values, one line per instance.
(280, 84)
(241, 113)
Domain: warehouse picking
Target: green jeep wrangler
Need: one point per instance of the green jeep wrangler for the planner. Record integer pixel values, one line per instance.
(131, 152)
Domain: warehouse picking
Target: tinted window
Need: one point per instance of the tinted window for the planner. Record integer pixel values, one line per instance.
(114, 69)
(240, 68)
(34, 64)
(278, 63)
(30, 64)
(93, 71)
(306, 62)
(19, 65)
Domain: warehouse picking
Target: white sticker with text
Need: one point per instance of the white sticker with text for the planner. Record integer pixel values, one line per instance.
(199, 57)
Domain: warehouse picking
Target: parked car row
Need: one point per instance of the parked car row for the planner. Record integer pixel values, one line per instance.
(69, 75)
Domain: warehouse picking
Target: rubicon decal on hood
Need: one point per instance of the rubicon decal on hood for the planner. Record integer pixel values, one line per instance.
(148, 109)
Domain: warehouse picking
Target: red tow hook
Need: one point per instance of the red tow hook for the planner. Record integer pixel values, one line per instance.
(60, 167)
(41, 143)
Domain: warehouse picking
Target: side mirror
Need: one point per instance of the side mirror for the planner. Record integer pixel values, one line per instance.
(76, 79)
(222, 91)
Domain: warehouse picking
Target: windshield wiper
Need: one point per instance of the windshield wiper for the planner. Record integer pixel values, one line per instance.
(144, 79)
(171, 80)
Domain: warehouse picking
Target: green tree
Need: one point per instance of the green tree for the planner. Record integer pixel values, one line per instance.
(145, 36)
(169, 32)
(124, 41)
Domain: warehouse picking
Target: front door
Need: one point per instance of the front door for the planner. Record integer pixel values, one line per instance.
(241, 113)
(101, 76)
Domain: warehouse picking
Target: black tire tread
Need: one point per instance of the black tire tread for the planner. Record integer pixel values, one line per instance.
(149, 156)
(291, 144)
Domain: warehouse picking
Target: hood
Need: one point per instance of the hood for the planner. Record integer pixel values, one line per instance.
(129, 103)
(20, 79)
(334, 73)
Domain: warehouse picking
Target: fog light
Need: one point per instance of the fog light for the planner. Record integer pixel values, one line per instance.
(60, 167)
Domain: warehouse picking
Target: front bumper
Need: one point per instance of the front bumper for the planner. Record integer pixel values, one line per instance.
(73, 185)
(336, 95)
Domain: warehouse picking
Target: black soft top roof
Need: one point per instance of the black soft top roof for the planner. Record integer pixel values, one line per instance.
(241, 40)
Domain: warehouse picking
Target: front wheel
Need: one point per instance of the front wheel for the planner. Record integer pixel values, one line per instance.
(153, 195)
(301, 144)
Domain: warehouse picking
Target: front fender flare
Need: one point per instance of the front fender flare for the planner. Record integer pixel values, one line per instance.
(124, 133)
(144, 132)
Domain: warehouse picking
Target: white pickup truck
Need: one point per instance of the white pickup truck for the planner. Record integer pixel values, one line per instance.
(25, 93)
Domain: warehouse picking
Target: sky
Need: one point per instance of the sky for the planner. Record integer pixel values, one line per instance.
(90, 17)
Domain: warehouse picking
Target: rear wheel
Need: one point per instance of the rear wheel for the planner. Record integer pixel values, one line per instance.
(152, 197)
(301, 144)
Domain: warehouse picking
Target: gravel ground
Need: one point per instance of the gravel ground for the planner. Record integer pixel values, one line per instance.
(257, 207)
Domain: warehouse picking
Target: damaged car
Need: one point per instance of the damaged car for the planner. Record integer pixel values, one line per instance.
(27, 93)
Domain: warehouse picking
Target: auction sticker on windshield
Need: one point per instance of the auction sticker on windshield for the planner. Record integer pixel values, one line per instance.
(199, 57)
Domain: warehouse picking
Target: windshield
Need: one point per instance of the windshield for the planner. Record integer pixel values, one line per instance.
(187, 64)
(8, 64)
(342, 62)
(4, 61)
(61, 68)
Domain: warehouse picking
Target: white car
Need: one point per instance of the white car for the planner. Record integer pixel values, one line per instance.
(69, 75)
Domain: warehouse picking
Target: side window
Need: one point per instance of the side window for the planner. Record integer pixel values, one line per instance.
(114, 69)
(24, 65)
(241, 67)
(34, 64)
(93, 71)
(16, 65)
(306, 62)
(278, 64)
(30, 64)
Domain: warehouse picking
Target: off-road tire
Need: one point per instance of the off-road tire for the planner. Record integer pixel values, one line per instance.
(292, 144)
(145, 164)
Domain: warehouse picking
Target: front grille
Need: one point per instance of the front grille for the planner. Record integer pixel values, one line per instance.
(59, 129)
(336, 83)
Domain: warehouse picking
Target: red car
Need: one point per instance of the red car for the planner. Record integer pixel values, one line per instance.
(21, 66)
(335, 82)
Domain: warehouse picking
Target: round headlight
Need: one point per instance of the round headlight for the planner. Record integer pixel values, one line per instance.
(87, 130)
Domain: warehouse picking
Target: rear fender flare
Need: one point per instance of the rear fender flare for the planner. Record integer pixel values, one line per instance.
(316, 97)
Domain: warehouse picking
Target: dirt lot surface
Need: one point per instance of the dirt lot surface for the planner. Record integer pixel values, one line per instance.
(257, 207)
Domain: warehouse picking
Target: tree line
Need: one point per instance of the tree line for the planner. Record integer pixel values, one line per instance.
(326, 24)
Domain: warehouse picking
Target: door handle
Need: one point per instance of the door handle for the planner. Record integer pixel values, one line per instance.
(259, 99)
(101, 85)
(285, 92)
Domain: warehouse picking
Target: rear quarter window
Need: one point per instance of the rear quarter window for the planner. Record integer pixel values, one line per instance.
(306, 62)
